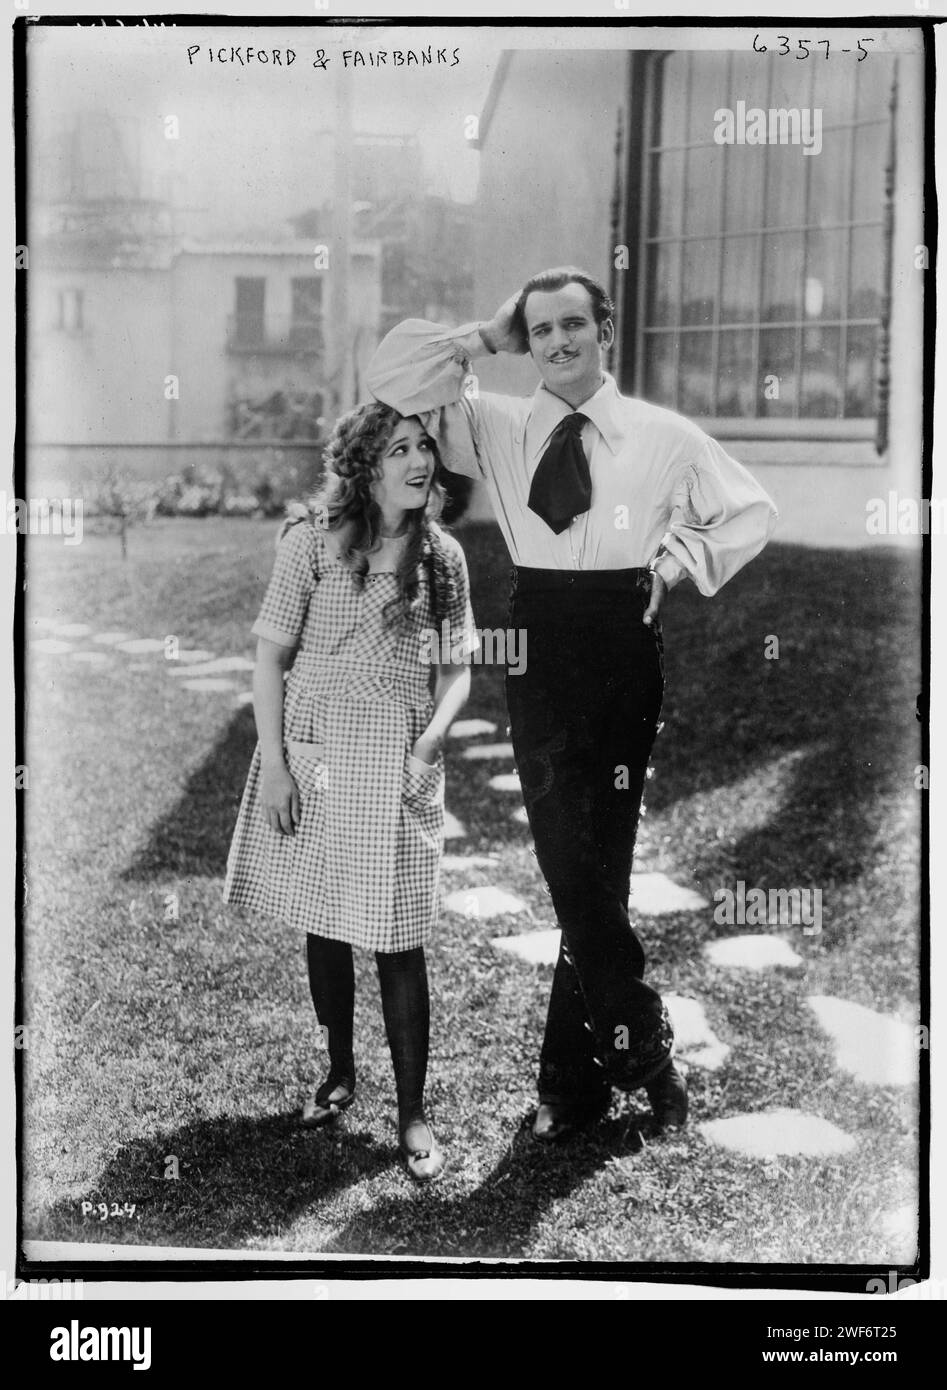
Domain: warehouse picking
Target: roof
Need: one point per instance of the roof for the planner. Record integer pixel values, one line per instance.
(296, 247)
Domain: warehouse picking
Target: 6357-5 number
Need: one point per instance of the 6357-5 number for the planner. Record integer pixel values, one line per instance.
(803, 46)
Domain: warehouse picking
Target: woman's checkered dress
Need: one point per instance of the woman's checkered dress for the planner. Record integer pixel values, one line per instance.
(364, 863)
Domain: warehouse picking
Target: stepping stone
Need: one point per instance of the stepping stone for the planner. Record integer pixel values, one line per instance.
(453, 862)
(453, 830)
(139, 645)
(480, 752)
(212, 683)
(520, 816)
(192, 654)
(653, 894)
(72, 630)
(694, 1039)
(776, 1132)
(218, 667)
(245, 697)
(535, 947)
(505, 782)
(112, 639)
(51, 646)
(469, 728)
(483, 902)
(92, 658)
(872, 1047)
(752, 952)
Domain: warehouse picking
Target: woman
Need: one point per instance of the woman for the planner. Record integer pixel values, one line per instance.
(341, 824)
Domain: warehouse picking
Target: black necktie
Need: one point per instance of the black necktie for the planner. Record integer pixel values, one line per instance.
(562, 484)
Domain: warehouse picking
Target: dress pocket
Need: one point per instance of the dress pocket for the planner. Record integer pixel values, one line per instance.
(307, 763)
(421, 782)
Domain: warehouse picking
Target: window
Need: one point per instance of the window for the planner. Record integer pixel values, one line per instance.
(764, 267)
(306, 320)
(248, 321)
(69, 310)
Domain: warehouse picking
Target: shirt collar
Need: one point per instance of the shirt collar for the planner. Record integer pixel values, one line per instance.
(548, 410)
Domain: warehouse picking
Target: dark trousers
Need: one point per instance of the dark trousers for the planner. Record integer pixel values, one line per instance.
(583, 718)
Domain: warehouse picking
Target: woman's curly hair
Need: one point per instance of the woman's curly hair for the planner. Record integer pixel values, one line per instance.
(345, 505)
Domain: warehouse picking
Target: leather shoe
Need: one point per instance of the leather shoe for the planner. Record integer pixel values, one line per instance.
(556, 1121)
(424, 1164)
(668, 1096)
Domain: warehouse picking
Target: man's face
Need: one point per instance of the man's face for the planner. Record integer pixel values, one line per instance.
(565, 342)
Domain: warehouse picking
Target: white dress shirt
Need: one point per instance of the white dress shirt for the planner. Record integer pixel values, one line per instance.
(661, 487)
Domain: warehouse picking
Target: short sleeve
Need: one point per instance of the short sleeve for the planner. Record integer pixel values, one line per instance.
(290, 589)
(464, 638)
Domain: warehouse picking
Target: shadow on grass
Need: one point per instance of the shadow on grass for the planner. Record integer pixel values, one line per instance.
(193, 838)
(497, 1219)
(247, 1181)
(840, 697)
(239, 1178)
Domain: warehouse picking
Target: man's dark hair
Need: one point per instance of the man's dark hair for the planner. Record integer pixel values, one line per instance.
(548, 281)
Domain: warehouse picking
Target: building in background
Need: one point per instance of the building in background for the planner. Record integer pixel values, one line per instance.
(774, 296)
(427, 241)
(149, 344)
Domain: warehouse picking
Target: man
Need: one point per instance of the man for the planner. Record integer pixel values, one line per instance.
(605, 502)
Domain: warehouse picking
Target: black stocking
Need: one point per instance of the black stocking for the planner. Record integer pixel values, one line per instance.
(332, 985)
(406, 1007)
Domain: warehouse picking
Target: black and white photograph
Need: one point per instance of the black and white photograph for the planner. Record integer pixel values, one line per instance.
(473, 504)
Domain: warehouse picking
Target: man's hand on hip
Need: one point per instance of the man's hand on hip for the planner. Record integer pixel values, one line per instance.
(658, 592)
(501, 334)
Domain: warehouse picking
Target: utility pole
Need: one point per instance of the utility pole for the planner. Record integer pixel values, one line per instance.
(340, 336)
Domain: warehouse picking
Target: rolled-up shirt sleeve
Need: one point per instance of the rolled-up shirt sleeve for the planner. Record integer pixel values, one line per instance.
(420, 366)
(424, 369)
(720, 519)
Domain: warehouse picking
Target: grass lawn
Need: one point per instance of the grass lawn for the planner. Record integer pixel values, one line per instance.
(193, 1035)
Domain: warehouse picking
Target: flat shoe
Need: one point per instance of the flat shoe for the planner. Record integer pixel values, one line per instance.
(321, 1109)
(424, 1164)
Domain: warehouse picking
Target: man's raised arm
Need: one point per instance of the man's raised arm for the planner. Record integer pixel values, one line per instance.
(420, 367)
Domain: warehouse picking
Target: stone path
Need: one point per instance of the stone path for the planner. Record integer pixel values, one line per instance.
(751, 952)
(873, 1048)
(470, 728)
(210, 683)
(481, 752)
(195, 668)
(216, 667)
(774, 1133)
(890, 1058)
(484, 902)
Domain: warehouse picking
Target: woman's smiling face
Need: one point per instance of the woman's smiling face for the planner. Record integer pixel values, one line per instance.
(407, 469)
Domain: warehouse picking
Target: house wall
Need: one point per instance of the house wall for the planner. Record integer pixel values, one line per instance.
(106, 382)
(204, 300)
